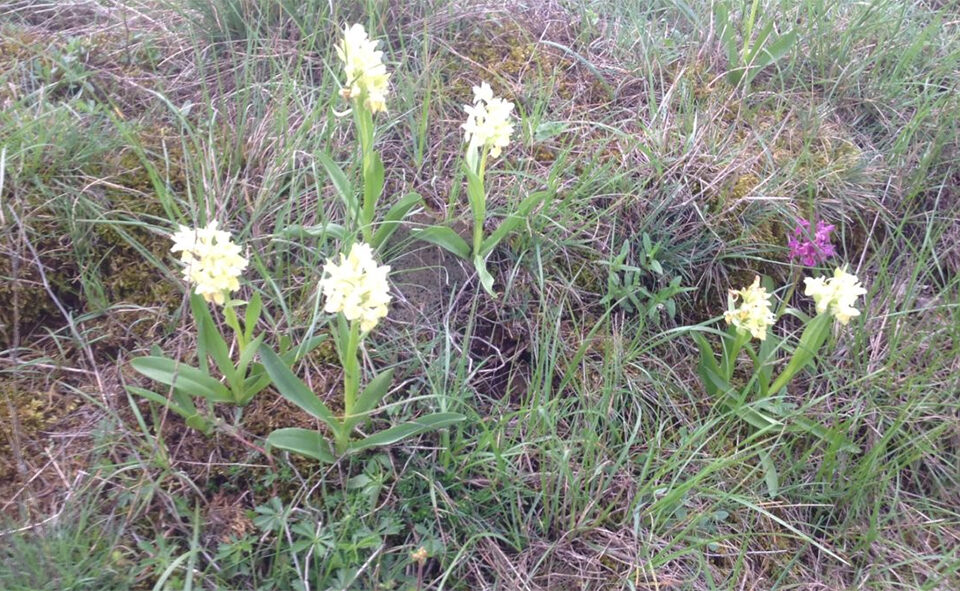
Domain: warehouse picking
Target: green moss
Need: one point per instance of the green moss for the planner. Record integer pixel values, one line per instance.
(35, 412)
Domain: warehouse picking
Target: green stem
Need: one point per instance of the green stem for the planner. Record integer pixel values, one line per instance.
(730, 354)
(364, 122)
(480, 209)
(351, 382)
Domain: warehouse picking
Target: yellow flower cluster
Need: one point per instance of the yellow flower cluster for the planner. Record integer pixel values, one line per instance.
(357, 287)
(837, 294)
(363, 64)
(212, 261)
(754, 314)
(488, 121)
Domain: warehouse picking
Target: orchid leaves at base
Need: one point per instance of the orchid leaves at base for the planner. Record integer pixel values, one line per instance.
(315, 444)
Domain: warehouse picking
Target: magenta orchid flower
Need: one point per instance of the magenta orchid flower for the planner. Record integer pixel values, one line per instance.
(815, 249)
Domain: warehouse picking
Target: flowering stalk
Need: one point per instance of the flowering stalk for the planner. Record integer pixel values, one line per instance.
(349, 359)
(366, 87)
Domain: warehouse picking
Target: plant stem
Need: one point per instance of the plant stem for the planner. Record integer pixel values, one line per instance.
(351, 381)
(364, 122)
(730, 354)
(479, 209)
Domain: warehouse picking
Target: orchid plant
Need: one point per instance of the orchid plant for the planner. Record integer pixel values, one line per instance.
(358, 292)
(487, 132)
(212, 263)
(750, 317)
(366, 86)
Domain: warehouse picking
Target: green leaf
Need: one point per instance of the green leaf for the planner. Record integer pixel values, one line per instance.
(252, 316)
(486, 279)
(400, 432)
(291, 356)
(815, 428)
(394, 216)
(255, 382)
(726, 34)
(298, 232)
(547, 130)
(211, 341)
(369, 398)
(513, 220)
(476, 196)
(372, 182)
(247, 356)
(750, 53)
(183, 377)
(770, 475)
(340, 183)
(813, 337)
(304, 442)
(294, 390)
(188, 411)
(708, 365)
(777, 50)
(445, 238)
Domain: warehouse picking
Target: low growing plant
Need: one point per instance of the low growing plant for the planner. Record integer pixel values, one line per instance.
(357, 291)
(212, 264)
(759, 401)
(487, 131)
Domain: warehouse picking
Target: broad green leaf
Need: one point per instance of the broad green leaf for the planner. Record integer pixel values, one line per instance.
(340, 183)
(211, 340)
(708, 364)
(513, 220)
(189, 412)
(372, 182)
(370, 398)
(778, 48)
(486, 279)
(181, 376)
(161, 400)
(476, 196)
(751, 52)
(445, 238)
(391, 221)
(405, 430)
(815, 428)
(255, 382)
(298, 232)
(304, 442)
(294, 390)
(291, 356)
(812, 338)
(247, 356)
(547, 130)
(726, 34)
(751, 415)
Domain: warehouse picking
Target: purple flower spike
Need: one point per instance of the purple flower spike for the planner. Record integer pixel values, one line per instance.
(815, 249)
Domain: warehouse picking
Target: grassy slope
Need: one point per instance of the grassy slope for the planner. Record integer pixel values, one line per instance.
(592, 459)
